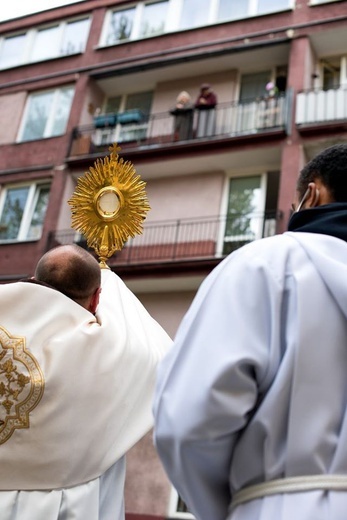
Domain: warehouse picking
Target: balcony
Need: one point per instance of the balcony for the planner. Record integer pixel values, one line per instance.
(183, 241)
(228, 120)
(322, 109)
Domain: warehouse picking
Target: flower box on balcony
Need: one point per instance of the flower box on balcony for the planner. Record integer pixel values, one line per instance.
(130, 117)
(105, 120)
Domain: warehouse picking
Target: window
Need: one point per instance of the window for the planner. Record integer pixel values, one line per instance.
(149, 18)
(45, 44)
(153, 19)
(232, 9)
(46, 114)
(74, 37)
(23, 209)
(11, 50)
(237, 9)
(177, 508)
(132, 116)
(194, 13)
(121, 26)
(245, 213)
(62, 39)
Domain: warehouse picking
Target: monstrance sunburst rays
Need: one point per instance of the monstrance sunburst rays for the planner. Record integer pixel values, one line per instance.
(109, 205)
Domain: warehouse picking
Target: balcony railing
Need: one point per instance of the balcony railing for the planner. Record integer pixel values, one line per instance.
(185, 239)
(227, 120)
(321, 106)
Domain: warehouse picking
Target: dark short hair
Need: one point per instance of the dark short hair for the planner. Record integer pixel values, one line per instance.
(330, 166)
(71, 270)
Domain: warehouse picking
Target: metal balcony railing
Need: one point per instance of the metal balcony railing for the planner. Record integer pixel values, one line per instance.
(185, 239)
(227, 120)
(320, 106)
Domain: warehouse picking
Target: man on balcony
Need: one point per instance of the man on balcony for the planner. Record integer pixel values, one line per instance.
(251, 403)
(205, 104)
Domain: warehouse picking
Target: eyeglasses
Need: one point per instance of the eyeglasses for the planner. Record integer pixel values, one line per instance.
(303, 200)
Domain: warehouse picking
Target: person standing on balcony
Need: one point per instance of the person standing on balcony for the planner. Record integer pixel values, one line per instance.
(183, 113)
(205, 104)
(251, 402)
(78, 354)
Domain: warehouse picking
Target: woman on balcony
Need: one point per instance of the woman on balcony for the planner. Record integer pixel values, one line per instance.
(183, 112)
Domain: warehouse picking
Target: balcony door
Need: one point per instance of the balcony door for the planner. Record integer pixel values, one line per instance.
(132, 112)
(245, 211)
(251, 100)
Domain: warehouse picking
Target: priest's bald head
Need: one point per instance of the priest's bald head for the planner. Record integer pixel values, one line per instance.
(74, 272)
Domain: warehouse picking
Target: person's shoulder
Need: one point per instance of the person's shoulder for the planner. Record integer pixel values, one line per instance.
(266, 245)
(265, 251)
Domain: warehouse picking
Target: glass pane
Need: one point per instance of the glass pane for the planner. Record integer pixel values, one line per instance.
(12, 212)
(112, 105)
(153, 21)
(12, 50)
(120, 26)
(194, 13)
(39, 213)
(75, 37)
(253, 85)
(243, 204)
(140, 100)
(62, 111)
(232, 9)
(46, 44)
(269, 6)
(37, 116)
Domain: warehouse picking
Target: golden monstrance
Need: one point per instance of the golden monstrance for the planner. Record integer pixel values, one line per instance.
(109, 205)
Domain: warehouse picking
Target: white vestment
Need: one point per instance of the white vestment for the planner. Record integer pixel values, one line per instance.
(75, 395)
(255, 387)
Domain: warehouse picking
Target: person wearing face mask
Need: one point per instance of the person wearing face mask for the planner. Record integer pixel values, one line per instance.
(251, 402)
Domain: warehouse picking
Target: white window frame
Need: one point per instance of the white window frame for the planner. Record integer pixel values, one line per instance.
(51, 117)
(172, 23)
(30, 41)
(30, 204)
(135, 32)
(225, 200)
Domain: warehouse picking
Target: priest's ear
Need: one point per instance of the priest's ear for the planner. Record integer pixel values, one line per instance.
(94, 301)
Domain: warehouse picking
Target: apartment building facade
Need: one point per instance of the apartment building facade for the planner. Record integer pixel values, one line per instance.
(75, 79)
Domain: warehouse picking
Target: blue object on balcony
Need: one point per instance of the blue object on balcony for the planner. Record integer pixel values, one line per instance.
(105, 120)
(130, 116)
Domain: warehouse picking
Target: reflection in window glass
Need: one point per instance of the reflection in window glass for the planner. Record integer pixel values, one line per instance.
(62, 110)
(37, 115)
(232, 9)
(153, 20)
(269, 6)
(47, 113)
(140, 100)
(39, 213)
(113, 104)
(46, 44)
(194, 13)
(243, 203)
(120, 26)
(75, 37)
(12, 50)
(12, 212)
